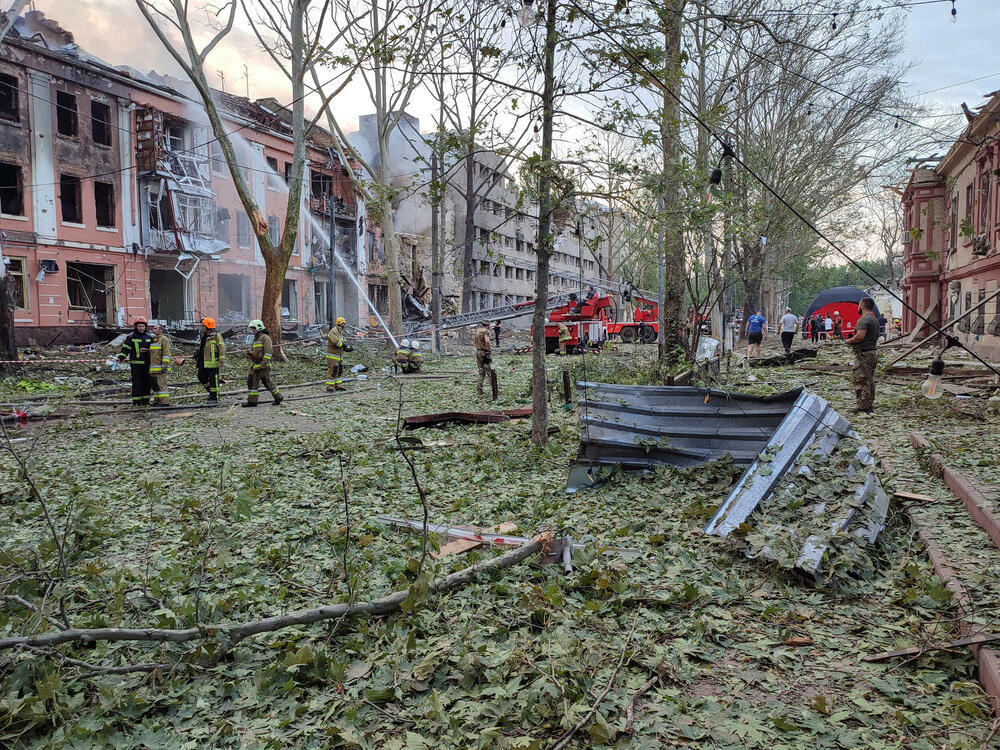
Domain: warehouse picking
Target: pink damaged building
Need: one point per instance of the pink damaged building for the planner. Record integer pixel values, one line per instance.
(951, 261)
(115, 201)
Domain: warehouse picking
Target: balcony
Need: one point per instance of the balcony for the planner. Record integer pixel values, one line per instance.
(320, 205)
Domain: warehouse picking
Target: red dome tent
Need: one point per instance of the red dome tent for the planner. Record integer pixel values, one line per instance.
(838, 299)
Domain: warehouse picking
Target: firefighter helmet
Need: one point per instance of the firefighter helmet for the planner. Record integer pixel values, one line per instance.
(341, 322)
(208, 322)
(405, 343)
(414, 344)
(256, 325)
(139, 320)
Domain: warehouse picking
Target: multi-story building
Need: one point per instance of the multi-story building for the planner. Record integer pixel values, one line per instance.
(951, 250)
(116, 201)
(504, 227)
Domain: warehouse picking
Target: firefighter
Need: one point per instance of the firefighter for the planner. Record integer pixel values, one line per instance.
(563, 338)
(260, 365)
(481, 340)
(335, 348)
(211, 353)
(136, 351)
(159, 365)
(402, 356)
(416, 358)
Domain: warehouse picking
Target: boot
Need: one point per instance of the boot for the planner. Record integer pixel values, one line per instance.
(278, 400)
(212, 400)
(339, 387)
(248, 404)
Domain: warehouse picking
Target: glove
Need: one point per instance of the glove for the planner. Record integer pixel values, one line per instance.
(120, 357)
(487, 360)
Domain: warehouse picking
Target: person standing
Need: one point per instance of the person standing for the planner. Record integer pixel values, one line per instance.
(827, 327)
(865, 345)
(882, 324)
(335, 356)
(756, 331)
(789, 325)
(481, 340)
(563, 338)
(838, 326)
(135, 349)
(814, 328)
(159, 365)
(261, 351)
(211, 352)
(496, 332)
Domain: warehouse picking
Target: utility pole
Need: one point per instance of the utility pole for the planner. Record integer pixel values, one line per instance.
(331, 313)
(543, 251)
(436, 271)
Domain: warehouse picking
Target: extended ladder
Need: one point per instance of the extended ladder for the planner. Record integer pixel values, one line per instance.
(494, 313)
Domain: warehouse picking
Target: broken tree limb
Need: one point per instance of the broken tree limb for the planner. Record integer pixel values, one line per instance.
(630, 708)
(239, 631)
(974, 640)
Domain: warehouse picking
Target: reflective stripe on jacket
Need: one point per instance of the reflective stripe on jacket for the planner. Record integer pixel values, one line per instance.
(261, 351)
(132, 345)
(215, 351)
(159, 354)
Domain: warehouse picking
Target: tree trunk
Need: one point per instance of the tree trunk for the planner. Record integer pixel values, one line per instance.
(539, 396)
(8, 349)
(270, 302)
(672, 312)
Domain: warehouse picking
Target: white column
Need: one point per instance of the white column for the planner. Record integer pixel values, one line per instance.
(129, 177)
(43, 176)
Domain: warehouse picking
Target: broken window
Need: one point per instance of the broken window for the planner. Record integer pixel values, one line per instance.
(273, 180)
(91, 287)
(288, 173)
(222, 225)
(274, 230)
(11, 190)
(320, 299)
(195, 214)
(100, 121)
(174, 133)
(69, 199)
(104, 199)
(9, 109)
(379, 294)
(322, 184)
(66, 115)
(242, 229)
(220, 167)
(984, 200)
(161, 214)
(234, 296)
(19, 284)
(289, 300)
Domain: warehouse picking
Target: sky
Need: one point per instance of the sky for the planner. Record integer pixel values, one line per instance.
(942, 53)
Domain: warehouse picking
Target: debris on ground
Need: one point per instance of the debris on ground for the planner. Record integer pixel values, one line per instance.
(464, 417)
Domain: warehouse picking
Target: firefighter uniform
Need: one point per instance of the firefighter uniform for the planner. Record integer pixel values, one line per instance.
(136, 351)
(402, 356)
(159, 366)
(416, 359)
(563, 338)
(210, 356)
(481, 340)
(260, 354)
(335, 359)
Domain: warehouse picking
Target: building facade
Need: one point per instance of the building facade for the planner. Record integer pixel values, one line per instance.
(116, 201)
(951, 260)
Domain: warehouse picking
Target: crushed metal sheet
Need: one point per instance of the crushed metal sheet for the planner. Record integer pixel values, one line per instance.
(464, 417)
(640, 427)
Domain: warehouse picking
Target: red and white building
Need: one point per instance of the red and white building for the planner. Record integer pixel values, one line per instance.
(115, 201)
(951, 258)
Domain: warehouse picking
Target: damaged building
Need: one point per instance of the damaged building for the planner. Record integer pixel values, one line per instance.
(116, 201)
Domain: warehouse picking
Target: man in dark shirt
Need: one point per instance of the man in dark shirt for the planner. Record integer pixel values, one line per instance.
(865, 345)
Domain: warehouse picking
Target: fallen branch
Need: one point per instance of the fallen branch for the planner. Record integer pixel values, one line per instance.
(630, 708)
(974, 640)
(238, 631)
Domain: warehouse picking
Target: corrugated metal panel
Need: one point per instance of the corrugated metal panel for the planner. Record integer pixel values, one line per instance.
(638, 427)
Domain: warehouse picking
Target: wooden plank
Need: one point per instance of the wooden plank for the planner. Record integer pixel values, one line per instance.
(913, 497)
(459, 546)
(917, 650)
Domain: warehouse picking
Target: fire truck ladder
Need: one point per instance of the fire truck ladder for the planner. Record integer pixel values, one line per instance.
(496, 313)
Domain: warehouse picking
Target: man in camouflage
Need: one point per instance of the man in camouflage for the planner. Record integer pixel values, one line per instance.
(864, 342)
(335, 356)
(159, 365)
(481, 340)
(261, 351)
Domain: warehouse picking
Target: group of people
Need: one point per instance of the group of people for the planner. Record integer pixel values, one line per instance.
(149, 357)
(863, 342)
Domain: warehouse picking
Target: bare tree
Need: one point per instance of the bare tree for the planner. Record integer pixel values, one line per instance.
(295, 47)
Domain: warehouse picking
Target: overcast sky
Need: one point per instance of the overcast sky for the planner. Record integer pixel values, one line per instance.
(944, 54)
